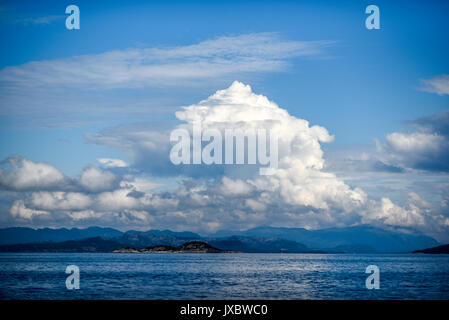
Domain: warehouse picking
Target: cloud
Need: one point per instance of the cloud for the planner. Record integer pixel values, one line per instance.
(44, 20)
(94, 179)
(414, 142)
(52, 201)
(234, 187)
(425, 148)
(28, 175)
(300, 193)
(112, 163)
(61, 92)
(134, 68)
(438, 84)
(140, 142)
(299, 179)
(386, 212)
(19, 210)
(363, 163)
(437, 123)
(299, 186)
(139, 184)
(21, 174)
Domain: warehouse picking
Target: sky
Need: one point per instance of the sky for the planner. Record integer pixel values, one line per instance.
(86, 114)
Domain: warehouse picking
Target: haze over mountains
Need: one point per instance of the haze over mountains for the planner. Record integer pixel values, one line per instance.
(358, 239)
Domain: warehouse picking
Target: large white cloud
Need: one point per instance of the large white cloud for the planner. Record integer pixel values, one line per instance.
(299, 193)
(299, 179)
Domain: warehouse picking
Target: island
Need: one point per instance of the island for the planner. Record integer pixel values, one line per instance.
(188, 247)
(444, 249)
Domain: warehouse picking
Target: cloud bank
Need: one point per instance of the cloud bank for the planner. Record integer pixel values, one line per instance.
(299, 194)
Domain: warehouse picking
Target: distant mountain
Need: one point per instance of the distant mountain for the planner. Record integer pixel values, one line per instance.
(352, 249)
(258, 244)
(151, 238)
(234, 243)
(137, 241)
(444, 249)
(362, 239)
(181, 235)
(28, 235)
(96, 244)
(358, 239)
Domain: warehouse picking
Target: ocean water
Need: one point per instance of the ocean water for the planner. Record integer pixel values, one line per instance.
(223, 276)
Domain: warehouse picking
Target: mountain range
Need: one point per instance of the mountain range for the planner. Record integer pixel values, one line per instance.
(357, 239)
(27, 235)
(362, 238)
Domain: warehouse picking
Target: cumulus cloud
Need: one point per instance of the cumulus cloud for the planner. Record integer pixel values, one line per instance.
(234, 187)
(138, 184)
(438, 84)
(94, 179)
(25, 174)
(299, 180)
(298, 188)
(21, 174)
(386, 212)
(59, 200)
(426, 147)
(415, 141)
(18, 210)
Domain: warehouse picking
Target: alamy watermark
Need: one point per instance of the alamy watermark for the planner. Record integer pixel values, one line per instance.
(190, 149)
(73, 280)
(373, 280)
(373, 20)
(72, 21)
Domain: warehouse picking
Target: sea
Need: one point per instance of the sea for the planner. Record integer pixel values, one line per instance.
(223, 276)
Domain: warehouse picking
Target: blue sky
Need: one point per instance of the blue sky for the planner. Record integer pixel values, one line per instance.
(359, 84)
(365, 83)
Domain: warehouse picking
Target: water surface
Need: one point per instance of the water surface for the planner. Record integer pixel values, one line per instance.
(223, 276)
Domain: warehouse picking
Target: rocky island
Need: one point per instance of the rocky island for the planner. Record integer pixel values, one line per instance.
(188, 247)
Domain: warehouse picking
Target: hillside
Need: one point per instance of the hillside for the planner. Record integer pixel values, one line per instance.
(444, 249)
(188, 247)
